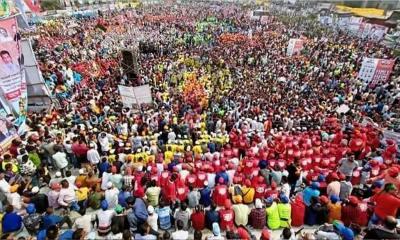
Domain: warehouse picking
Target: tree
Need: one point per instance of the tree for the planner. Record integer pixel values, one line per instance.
(393, 40)
(50, 5)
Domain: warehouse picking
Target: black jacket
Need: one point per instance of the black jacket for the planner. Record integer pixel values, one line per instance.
(381, 233)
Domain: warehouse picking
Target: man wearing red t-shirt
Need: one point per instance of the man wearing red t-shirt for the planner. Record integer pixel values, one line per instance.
(243, 233)
(247, 166)
(260, 188)
(201, 177)
(387, 203)
(191, 180)
(273, 192)
(182, 190)
(198, 218)
(220, 193)
(164, 178)
(227, 216)
(170, 190)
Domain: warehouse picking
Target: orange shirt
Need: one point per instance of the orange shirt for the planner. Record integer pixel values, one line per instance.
(335, 212)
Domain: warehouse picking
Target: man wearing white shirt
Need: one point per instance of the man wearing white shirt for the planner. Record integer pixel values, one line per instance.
(67, 195)
(180, 234)
(4, 185)
(93, 155)
(84, 221)
(111, 195)
(8, 67)
(60, 159)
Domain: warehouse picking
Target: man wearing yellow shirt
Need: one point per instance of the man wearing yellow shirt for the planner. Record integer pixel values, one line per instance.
(197, 148)
(248, 192)
(168, 155)
(81, 194)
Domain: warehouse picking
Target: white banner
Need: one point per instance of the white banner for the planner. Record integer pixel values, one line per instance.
(135, 95)
(375, 71)
(372, 31)
(294, 46)
(127, 95)
(354, 24)
(143, 94)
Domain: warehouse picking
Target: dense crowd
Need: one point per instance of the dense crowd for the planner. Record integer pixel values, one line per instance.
(239, 137)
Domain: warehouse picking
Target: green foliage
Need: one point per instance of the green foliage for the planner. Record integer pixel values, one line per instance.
(50, 4)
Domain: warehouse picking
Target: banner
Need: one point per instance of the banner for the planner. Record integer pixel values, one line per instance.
(143, 94)
(135, 95)
(127, 95)
(294, 46)
(326, 20)
(374, 70)
(12, 75)
(372, 31)
(7, 133)
(354, 24)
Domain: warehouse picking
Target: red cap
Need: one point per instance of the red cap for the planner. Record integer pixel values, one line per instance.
(247, 183)
(273, 185)
(324, 199)
(335, 176)
(354, 200)
(265, 235)
(393, 171)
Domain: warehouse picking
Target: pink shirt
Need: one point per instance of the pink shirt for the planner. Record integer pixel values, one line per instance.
(52, 197)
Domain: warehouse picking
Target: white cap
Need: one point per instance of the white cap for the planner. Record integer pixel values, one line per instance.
(91, 145)
(150, 209)
(58, 174)
(109, 185)
(81, 171)
(205, 183)
(35, 189)
(258, 203)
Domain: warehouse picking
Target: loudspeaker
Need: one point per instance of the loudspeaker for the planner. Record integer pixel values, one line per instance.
(129, 62)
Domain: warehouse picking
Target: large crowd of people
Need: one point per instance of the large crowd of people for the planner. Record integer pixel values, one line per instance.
(240, 139)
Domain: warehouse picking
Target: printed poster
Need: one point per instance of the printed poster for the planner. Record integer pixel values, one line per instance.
(294, 46)
(7, 133)
(12, 75)
(374, 71)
